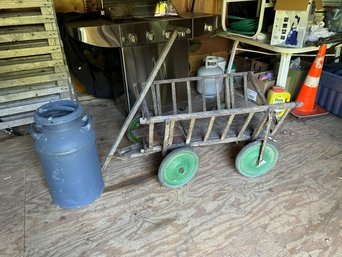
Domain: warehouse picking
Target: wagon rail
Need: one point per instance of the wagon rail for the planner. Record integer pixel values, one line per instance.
(199, 120)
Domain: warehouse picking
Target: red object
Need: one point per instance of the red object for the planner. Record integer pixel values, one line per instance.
(278, 89)
(308, 91)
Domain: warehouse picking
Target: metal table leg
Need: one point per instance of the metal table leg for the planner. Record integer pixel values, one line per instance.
(230, 64)
(283, 71)
(232, 56)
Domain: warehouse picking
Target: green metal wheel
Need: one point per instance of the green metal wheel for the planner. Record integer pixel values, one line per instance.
(178, 167)
(134, 125)
(247, 160)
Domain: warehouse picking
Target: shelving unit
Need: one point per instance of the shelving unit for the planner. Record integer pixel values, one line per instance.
(33, 69)
(262, 5)
(285, 53)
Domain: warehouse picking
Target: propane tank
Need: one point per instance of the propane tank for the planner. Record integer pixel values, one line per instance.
(65, 142)
(210, 68)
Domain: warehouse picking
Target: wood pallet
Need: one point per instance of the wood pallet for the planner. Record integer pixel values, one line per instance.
(33, 69)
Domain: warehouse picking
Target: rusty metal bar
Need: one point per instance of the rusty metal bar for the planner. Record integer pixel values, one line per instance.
(159, 100)
(150, 135)
(171, 133)
(210, 126)
(166, 136)
(231, 87)
(227, 93)
(281, 121)
(191, 128)
(244, 127)
(136, 93)
(260, 126)
(218, 96)
(203, 96)
(146, 112)
(225, 75)
(174, 97)
(224, 112)
(188, 90)
(154, 99)
(245, 89)
(226, 128)
(264, 142)
(141, 97)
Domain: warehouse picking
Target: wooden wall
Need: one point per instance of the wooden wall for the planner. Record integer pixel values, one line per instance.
(69, 6)
(77, 5)
(203, 46)
(201, 6)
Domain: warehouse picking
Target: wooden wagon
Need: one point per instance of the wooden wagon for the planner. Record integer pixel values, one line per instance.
(175, 129)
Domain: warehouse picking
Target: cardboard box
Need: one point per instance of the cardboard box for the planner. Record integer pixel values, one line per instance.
(260, 64)
(263, 85)
(250, 62)
(296, 79)
(292, 22)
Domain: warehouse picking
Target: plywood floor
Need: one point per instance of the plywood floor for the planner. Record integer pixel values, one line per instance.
(293, 211)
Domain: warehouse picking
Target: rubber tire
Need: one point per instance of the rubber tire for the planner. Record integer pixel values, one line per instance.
(135, 124)
(173, 162)
(244, 164)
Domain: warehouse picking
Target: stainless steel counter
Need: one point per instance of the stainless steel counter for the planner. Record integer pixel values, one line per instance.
(107, 33)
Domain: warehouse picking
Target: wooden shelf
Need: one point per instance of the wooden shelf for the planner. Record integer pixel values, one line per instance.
(266, 45)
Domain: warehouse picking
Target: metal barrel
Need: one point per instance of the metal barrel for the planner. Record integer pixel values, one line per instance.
(65, 141)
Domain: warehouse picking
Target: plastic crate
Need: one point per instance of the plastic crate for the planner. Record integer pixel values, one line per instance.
(329, 94)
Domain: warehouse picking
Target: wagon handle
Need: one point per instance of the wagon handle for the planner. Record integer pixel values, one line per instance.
(140, 99)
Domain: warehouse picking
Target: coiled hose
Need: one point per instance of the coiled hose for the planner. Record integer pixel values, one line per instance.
(243, 26)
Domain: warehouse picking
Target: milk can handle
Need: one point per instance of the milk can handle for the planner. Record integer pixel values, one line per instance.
(35, 131)
(211, 62)
(88, 120)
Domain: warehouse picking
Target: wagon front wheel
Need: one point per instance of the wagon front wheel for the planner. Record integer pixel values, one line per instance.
(247, 160)
(178, 167)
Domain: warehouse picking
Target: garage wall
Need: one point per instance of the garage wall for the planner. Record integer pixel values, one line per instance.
(77, 5)
(208, 6)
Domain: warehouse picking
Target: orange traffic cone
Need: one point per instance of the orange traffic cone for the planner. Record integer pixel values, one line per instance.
(308, 91)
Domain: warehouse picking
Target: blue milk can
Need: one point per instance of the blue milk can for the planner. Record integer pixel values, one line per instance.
(65, 142)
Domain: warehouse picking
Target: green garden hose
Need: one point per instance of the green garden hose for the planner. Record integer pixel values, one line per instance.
(243, 26)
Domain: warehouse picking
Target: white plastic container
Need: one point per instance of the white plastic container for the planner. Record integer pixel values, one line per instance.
(210, 68)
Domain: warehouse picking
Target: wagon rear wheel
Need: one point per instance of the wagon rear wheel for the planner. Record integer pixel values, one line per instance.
(178, 167)
(134, 125)
(247, 160)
